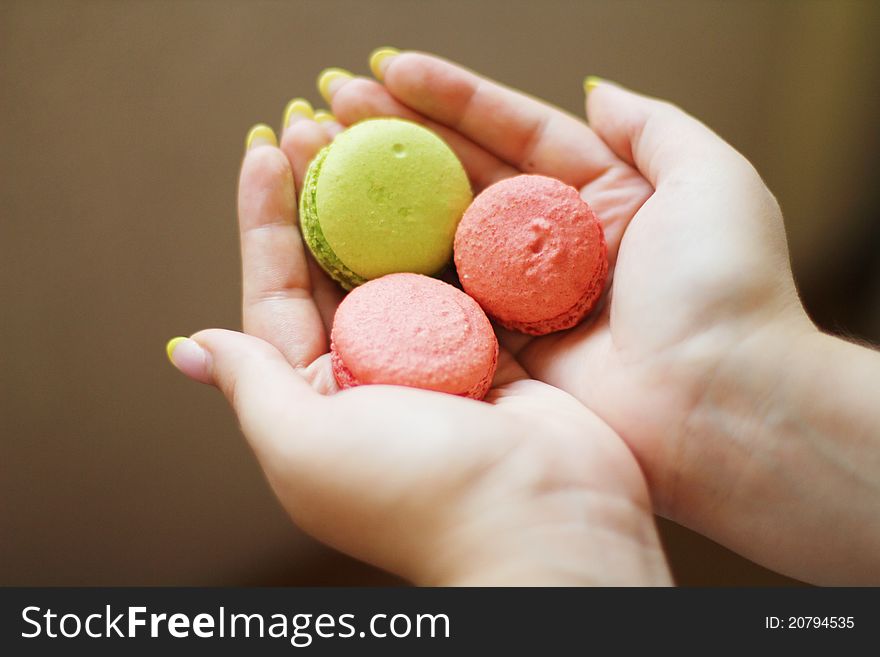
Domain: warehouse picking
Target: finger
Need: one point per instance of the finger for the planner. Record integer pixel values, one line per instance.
(329, 123)
(508, 370)
(301, 140)
(277, 298)
(304, 132)
(661, 140)
(586, 348)
(264, 390)
(512, 341)
(532, 136)
(355, 99)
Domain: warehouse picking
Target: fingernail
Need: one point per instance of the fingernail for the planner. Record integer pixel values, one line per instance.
(171, 346)
(188, 356)
(260, 135)
(322, 116)
(379, 59)
(591, 82)
(298, 108)
(330, 80)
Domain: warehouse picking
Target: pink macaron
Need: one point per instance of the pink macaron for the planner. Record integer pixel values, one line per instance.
(532, 253)
(413, 330)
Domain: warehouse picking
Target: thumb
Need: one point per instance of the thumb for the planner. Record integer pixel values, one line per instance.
(659, 139)
(261, 386)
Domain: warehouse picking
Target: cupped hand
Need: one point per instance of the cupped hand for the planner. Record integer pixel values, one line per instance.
(528, 487)
(702, 287)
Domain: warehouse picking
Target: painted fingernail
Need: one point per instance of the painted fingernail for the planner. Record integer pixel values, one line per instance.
(330, 80)
(591, 82)
(171, 346)
(298, 108)
(188, 356)
(260, 135)
(322, 116)
(379, 60)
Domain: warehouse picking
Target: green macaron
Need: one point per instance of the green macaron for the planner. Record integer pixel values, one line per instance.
(385, 196)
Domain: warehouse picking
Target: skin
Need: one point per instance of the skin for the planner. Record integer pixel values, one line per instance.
(529, 487)
(751, 426)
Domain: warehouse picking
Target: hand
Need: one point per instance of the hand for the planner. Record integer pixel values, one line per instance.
(689, 360)
(529, 488)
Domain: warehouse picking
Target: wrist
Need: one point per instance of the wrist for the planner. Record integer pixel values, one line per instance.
(782, 453)
(573, 539)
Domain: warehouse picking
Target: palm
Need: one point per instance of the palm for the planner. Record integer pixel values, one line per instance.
(394, 468)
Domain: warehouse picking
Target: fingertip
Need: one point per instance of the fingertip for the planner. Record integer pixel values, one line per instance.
(297, 109)
(322, 116)
(362, 98)
(380, 58)
(328, 123)
(260, 135)
(331, 129)
(301, 142)
(591, 82)
(189, 358)
(303, 137)
(171, 346)
(330, 80)
(263, 169)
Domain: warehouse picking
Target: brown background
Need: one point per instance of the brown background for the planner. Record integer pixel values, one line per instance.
(122, 129)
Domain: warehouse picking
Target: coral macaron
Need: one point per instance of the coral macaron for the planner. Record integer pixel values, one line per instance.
(385, 196)
(413, 330)
(532, 253)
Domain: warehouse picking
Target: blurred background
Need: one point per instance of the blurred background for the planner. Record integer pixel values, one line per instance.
(122, 125)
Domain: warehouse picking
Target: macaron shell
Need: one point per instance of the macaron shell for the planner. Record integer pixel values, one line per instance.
(311, 228)
(532, 253)
(412, 330)
(388, 197)
(569, 318)
(345, 379)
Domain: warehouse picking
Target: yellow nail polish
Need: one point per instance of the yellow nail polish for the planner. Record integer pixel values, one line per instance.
(591, 82)
(297, 107)
(380, 56)
(260, 135)
(171, 346)
(322, 116)
(327, 77)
